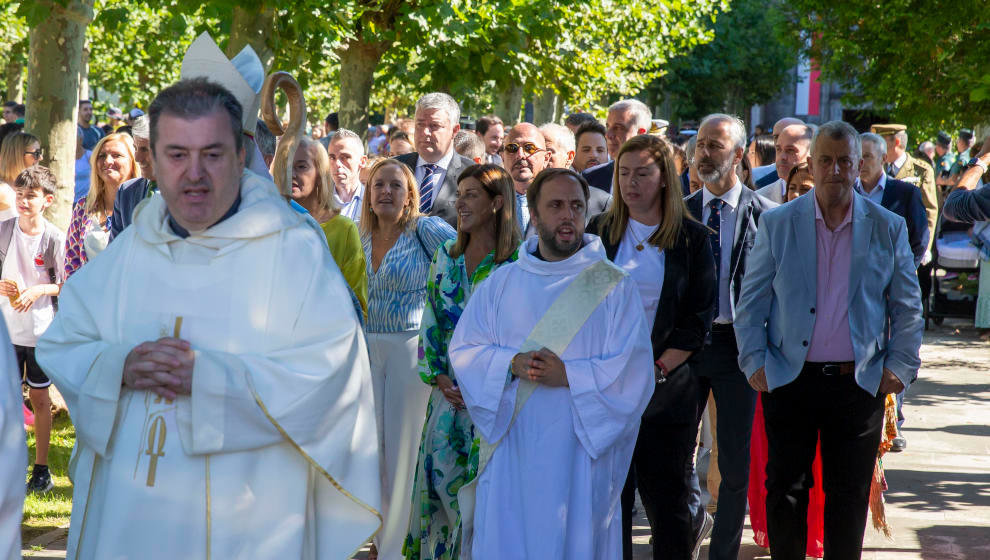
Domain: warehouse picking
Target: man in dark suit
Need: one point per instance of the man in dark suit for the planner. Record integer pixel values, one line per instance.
(732, 213)
(899, 197)
(435, 163)
(969, 203)
(626, 119)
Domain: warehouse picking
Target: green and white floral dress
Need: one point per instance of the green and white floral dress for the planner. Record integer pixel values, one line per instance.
(448, 451)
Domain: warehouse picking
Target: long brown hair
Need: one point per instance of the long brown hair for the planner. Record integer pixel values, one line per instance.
(496, 182)
(672, 208)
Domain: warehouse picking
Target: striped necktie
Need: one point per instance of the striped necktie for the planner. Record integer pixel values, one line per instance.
(714, 236)
(427, 186)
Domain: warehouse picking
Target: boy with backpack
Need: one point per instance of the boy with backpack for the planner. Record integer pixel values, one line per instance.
(32, 252)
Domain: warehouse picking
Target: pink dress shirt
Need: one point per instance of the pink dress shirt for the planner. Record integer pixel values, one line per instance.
(830, 340)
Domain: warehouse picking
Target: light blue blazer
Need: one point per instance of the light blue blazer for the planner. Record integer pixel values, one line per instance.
(775, 314)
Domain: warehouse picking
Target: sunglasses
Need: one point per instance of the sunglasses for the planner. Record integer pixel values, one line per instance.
(528, 148)
(38, 154)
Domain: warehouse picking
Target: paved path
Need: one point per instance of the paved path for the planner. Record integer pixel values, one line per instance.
(939, 497)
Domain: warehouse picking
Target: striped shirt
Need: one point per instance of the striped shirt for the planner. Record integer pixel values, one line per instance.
(397, 290)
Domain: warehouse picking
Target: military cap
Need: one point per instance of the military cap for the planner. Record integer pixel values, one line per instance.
(943, 139)
(966, 134)
(887, 129)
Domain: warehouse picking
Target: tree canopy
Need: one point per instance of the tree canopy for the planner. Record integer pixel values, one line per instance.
(921, 61)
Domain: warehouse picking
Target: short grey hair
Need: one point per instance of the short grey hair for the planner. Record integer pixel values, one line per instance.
(140, 128)
(344, 134)
(644, 117)
(439, 100)
(689, 148)
(737, 130)
(469, 144)
(839, 130)
(876, 140)
(264, 138)
(902, 137)
(562, 136)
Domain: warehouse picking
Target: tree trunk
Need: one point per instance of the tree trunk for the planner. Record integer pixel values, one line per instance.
(15, 72)
(54, 63)
(250, 26)
(545, 107)
(358, 62)
(508, 102)
(559, 109)
(84, 73)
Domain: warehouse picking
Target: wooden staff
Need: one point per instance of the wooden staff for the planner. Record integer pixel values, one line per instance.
(291, 134)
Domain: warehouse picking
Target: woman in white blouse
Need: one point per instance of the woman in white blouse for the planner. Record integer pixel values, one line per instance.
(399, 244)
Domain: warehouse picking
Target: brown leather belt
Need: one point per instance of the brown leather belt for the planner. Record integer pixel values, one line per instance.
(829, 369)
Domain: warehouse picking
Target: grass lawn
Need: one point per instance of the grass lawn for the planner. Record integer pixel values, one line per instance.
(45, 513)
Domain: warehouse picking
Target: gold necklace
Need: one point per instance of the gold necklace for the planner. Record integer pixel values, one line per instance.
(639, 242)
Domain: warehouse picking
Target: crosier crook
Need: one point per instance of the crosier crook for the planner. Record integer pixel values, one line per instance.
(291, 134)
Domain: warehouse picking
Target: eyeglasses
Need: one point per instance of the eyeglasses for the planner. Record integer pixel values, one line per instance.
(38, 154)
(528, 148)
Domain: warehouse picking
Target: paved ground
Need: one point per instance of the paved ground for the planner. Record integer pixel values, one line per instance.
(939, 498)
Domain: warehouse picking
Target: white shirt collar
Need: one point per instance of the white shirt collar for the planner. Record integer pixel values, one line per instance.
(444, 162)
(731, 197)
(899, 162)
(881, 184)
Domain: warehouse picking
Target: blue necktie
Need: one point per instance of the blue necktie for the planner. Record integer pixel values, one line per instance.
(715, 224)
(426, 187)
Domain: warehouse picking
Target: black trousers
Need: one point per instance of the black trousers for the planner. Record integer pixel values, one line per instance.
(849, 421)
(662, 469)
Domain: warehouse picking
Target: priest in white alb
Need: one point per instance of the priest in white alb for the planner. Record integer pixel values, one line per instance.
(215, 371)
(554, 362)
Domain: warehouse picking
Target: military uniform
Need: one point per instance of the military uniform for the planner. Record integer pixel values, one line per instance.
(919, 174)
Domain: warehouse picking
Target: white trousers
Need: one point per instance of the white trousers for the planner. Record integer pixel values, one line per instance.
(400, 404)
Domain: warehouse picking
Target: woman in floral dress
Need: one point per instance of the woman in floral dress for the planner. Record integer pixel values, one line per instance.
(487, 237)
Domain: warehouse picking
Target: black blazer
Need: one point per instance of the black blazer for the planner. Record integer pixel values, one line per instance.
(130, 194)
(601, 177)
(751, 205)
(904, 199)
(443, 200)
(684, 316)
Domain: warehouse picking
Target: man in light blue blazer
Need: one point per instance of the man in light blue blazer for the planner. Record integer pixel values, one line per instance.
(829, 322)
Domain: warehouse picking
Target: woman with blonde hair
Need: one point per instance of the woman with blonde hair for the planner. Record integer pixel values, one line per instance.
(18, 152)
(312, 189)
(649, 232)
(399, 244)
(487, 238)
(112, 165)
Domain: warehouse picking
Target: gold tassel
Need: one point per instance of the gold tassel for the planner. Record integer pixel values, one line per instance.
(877, 484)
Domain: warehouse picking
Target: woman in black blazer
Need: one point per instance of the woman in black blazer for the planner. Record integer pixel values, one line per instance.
(649, 232)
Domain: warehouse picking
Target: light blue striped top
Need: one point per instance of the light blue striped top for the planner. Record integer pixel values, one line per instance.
(397, 290)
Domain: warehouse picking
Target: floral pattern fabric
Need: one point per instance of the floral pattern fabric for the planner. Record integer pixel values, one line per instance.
(79, 226)
(448, 453)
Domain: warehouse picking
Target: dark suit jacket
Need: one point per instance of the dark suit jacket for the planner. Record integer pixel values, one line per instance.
(444, 198)
(597, 203)
(601, 177)
(684, 315)
(767, 179)
(904, 199)
(751, 205)
(968, 206)
(130, 194)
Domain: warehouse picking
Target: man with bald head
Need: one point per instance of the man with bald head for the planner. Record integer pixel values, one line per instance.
(766, 174)
(524, 155)
(626, 118)
(792, 146)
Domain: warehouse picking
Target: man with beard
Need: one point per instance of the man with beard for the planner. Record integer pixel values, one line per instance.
(591, 149)
(91, 134)
(626, 118)
(577, 346)
(732, 213)
(435, 163)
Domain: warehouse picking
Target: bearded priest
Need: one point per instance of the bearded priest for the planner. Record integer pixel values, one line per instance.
(555, 387)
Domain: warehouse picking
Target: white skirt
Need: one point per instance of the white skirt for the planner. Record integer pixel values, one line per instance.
(400, 405)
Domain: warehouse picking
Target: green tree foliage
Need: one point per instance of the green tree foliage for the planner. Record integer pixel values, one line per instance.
(744, 64)
(924, 61)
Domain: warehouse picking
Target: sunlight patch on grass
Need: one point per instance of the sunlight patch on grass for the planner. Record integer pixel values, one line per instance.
(45, 513)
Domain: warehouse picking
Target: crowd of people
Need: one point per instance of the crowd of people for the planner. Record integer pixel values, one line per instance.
(466, 339)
